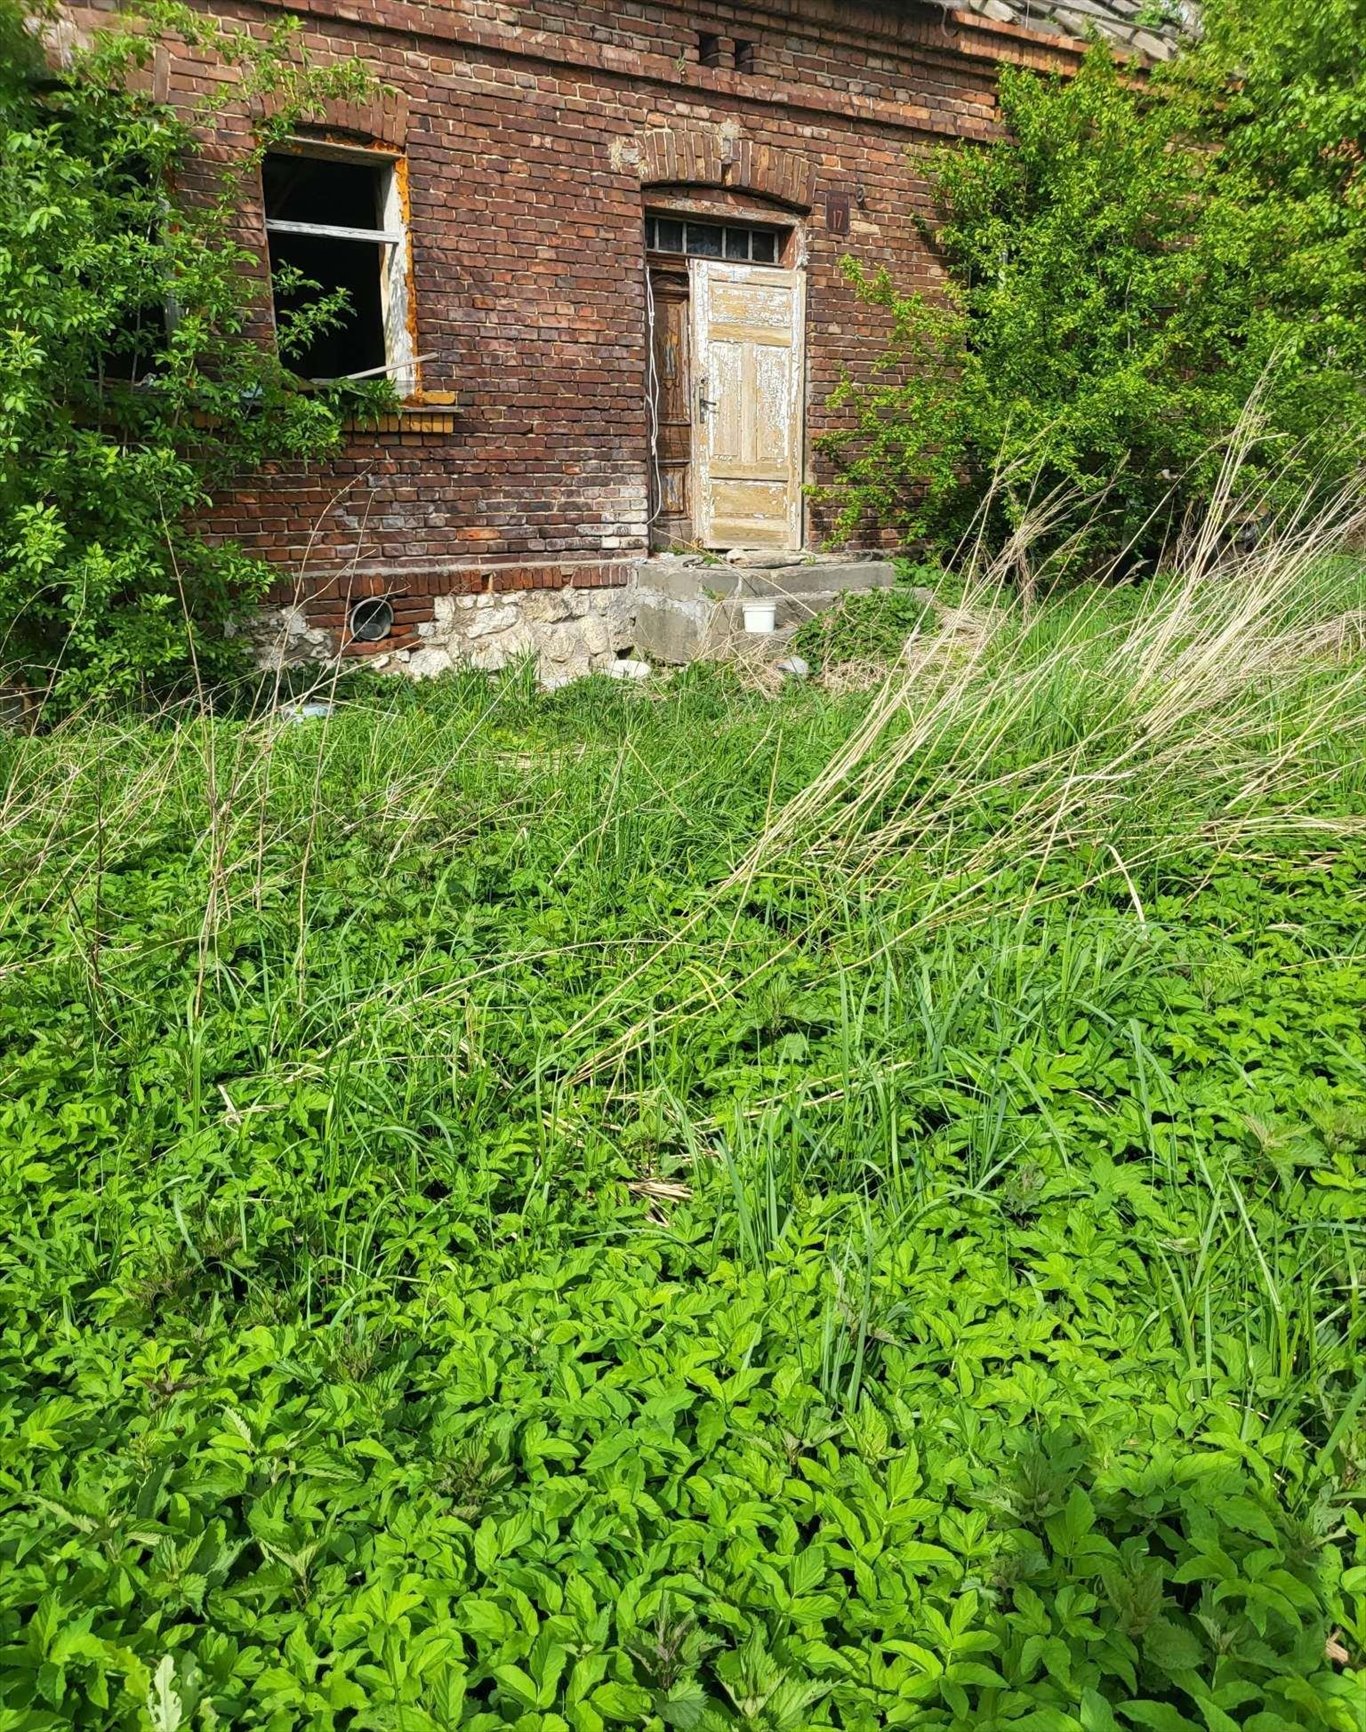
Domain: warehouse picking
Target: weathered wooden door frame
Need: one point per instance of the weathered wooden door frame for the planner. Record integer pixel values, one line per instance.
(701, 273)
(670, 402)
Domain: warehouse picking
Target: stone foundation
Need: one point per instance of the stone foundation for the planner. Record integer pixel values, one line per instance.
(569, 632)
(284, 637)
(673, 610)
(690, 608)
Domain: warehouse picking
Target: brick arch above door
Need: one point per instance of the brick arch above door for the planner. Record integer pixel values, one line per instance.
(722, 156)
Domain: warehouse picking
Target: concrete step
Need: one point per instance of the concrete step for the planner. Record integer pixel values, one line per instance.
(679, 577)
(687, 611)
(670, 629)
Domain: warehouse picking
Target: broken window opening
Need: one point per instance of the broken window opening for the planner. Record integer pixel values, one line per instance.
(711, 240)
(710, 48)
(339, 246)
(134, 347)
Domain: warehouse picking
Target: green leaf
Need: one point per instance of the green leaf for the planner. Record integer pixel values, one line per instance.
(683, 1706)
(607, 1450)
(518, 1685)
(164, 1707)
(1161, 1716)
(974, 1672)
(1095, 1712)
(1172, 1648)
(486, 1547)
(616, 1701)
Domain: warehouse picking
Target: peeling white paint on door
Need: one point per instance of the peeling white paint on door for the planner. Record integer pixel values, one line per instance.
(748, 330)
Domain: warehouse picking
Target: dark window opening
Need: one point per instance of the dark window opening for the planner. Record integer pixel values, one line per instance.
(711, 240)
(371, 620)
(705, 240)
(334, 232)
(745, 57)
(710, 48)
(355, 342)
(136, 341)
(135, 347)
(315, 189)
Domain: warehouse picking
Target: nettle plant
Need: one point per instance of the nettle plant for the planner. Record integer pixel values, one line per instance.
(133, 376)
(1128, 268)
(866, 626)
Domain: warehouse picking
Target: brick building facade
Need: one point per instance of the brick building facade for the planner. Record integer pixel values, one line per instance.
(598, 249)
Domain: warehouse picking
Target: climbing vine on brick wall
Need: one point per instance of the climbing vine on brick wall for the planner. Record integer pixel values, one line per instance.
(132, 379)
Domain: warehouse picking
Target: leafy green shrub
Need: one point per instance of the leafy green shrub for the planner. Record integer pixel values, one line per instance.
(869, 625)
(1127, 270)
(132, 378)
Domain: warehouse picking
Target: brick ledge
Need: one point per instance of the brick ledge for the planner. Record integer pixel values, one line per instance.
(455, 577)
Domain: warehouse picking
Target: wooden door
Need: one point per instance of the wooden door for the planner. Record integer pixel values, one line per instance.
(747, 324)
(671, 409)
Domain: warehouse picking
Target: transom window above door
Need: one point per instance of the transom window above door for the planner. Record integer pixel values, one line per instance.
(697, 238)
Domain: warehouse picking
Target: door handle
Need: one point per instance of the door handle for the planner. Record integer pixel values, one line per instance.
(705, 404)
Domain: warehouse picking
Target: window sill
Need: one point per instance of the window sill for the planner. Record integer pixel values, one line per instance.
(409, 418)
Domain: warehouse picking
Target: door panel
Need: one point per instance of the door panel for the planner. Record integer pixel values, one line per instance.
(671, 470)
(761, 299)
(747, 329)
(770, 394)
(724, 388)
(749, 510)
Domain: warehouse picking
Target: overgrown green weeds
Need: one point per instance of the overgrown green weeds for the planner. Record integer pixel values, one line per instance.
(666, 1208)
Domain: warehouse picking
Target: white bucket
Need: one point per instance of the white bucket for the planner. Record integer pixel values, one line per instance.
(760, 615)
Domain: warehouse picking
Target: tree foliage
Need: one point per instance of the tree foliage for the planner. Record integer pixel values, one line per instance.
(132, 380)
(1127, 267)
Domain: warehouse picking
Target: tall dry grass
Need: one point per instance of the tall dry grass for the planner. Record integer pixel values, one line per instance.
(1021, 754)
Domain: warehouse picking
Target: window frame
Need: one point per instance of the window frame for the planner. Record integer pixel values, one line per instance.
(727, 227)
(393, 237)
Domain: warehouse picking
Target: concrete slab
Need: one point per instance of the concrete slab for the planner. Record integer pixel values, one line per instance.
(718, 582)
(688, 609)
(673, 629)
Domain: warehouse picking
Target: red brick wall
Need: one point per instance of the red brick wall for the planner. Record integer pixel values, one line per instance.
(528, 129)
